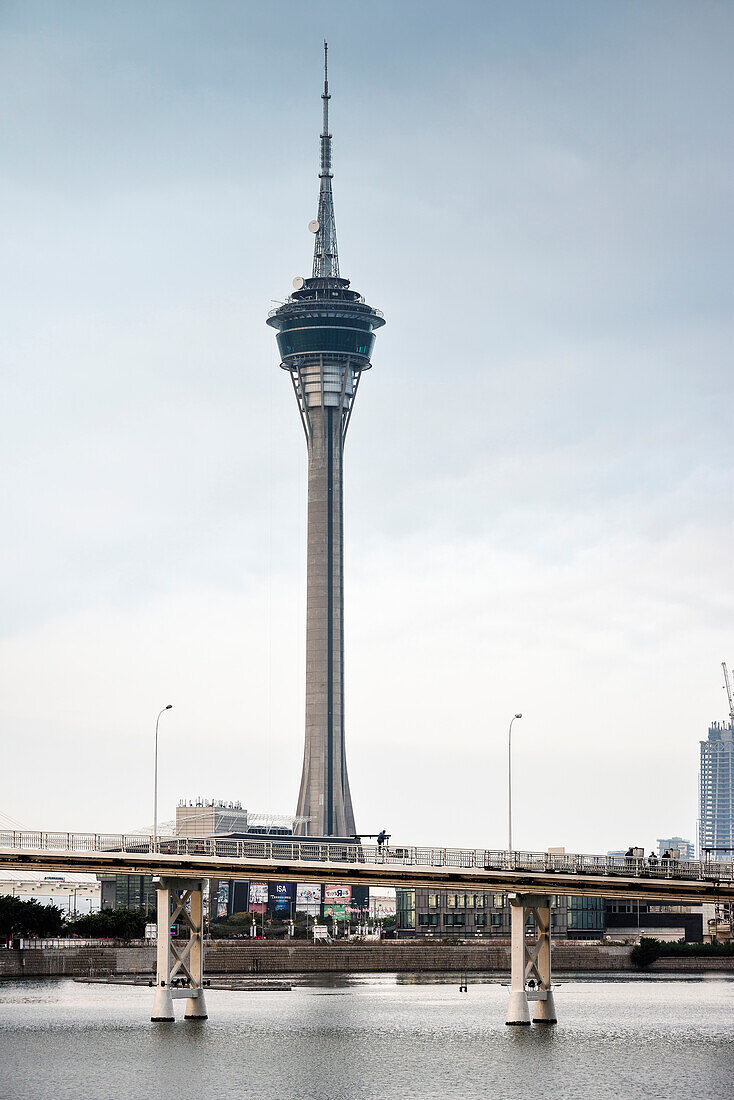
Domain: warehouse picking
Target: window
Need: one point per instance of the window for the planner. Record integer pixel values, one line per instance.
(499, 901)
(405, 906)
(454, 920)
(586, 914)
(304, 340)
(496, 920)
(427, 920)
(434, 901)
(481, 920)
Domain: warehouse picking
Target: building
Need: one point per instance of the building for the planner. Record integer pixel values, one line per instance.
(685, 848)
(325, 336)
(445, 914)
(716, 794)
(628, 919)
(199, 818)
(209, 817)
(130, 892)
(74, 897)
(465, 915)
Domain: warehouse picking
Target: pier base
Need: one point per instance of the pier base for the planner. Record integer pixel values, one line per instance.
(530, 977)
(162, 1006)
(179, 971)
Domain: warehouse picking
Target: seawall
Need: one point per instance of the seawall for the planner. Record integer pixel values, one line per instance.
(238, 957)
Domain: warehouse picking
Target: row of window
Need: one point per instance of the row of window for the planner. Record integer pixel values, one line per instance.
(466, 901)
(304, 340)
(461, 920)
(472, 901)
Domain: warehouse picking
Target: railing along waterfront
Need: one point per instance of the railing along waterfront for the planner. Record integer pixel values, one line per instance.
(305, 851)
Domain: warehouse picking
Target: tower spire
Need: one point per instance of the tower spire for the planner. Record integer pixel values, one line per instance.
(325, 254)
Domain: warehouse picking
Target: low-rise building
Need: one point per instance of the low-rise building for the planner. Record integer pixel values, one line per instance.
(686, 848)
(75, 897)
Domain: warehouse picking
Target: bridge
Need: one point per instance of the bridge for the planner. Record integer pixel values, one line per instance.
(181, 864)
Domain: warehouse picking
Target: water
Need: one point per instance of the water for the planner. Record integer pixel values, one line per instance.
(383, 1037)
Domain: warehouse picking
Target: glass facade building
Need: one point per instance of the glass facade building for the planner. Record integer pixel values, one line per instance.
(586, 917)
(134, 892)
(716, 793)
(463, 914)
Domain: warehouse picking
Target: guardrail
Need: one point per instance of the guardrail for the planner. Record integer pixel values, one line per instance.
(306, 851)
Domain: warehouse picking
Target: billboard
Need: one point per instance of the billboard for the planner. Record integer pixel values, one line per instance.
(308, 897)
(340, 894)
(281, 898)
(338, 912)
(258, 893)
(223, 899)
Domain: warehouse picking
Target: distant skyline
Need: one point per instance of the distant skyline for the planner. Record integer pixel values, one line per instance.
(539, 482)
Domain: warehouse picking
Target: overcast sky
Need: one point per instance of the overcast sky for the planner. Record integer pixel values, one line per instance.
(539, 470)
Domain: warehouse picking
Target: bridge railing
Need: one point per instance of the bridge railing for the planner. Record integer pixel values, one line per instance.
(297, 850)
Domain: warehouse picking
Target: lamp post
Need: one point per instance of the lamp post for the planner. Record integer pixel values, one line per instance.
(509, 785)
(155, 777)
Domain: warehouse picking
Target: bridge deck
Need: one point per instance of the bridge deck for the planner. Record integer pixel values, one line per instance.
(411, 867)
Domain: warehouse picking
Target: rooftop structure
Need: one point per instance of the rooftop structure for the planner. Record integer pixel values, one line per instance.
(325, 339)
(208, 817)
(212, 817)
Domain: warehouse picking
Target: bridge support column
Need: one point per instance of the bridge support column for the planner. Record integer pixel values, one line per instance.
(180, 971)
(530, 974)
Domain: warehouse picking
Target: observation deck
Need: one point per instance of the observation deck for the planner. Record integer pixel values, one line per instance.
(325, 317)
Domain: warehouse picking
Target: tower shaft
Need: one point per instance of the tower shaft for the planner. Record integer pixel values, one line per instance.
(324, 795)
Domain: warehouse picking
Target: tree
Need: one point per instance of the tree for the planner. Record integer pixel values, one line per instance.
(28, 918)
(114, 924)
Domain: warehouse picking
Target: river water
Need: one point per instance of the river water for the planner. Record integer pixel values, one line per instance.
(360, 1038)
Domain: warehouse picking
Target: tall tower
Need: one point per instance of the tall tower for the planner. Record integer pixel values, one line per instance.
(325, 339)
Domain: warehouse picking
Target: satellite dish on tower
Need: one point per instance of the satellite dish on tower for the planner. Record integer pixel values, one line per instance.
(313, 226)
(297, 282)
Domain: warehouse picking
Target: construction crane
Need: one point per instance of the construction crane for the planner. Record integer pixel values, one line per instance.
(727, 684)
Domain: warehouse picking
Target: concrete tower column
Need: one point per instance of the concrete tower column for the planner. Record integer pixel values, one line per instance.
(324, 795)
(162, 1000)
(545, 1008)
(517, 1010)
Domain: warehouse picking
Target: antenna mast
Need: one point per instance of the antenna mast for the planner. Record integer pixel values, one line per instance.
(325, 255)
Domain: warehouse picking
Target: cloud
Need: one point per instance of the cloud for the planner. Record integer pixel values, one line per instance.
(540, 463)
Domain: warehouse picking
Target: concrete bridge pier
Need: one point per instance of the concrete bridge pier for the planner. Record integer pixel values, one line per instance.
(530, 974)
(179, 971)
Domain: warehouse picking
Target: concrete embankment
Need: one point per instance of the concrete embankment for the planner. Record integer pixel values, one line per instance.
(238, 957)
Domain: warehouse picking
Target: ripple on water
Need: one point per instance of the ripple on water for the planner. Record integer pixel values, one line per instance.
(381, 1038)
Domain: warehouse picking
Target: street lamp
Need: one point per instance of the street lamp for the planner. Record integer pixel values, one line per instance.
(155, 779)
(509, 785)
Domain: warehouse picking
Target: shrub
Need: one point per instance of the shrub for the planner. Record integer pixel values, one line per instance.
(645, 952)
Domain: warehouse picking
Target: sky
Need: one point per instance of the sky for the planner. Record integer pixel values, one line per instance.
(539, 471)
